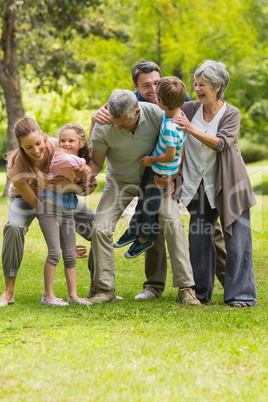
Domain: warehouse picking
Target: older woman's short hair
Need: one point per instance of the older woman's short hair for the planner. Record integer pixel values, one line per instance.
(122, 102)
(216, 73)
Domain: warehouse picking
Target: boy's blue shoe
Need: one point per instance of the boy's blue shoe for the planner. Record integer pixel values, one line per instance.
(137, 248)
(125, 239)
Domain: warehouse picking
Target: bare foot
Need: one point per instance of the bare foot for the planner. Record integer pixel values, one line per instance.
(50, 297)
(75, 298)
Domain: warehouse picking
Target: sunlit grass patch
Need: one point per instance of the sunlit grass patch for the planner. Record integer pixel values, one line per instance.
(131, 350)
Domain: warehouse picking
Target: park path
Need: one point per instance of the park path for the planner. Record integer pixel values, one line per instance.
(251, 169)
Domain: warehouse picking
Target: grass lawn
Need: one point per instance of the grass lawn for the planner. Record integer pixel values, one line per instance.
(132, 350)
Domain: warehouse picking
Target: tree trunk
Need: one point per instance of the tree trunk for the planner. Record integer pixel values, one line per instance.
(9, 76)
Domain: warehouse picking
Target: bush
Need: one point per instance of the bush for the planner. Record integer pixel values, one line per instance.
(252, 152)
(3, 149)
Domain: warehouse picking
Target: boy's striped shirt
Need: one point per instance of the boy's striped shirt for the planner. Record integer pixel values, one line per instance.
(170, 136)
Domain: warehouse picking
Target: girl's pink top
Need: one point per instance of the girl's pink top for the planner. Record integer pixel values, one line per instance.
(62, 164)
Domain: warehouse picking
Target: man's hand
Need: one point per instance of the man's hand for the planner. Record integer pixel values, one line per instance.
(83, 172)
(89, 189)
(60, 184)
(102, 116)
(165, 182)
(146, 161)
(170, 189)
(81, 251)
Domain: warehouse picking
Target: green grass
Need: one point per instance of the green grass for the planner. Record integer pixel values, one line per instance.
(132, 351)
(264, 163)
(259, 177)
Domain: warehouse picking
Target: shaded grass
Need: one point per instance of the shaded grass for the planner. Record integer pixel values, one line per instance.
(264, 163)
(259, 178)
(132, 351)
(261, 188)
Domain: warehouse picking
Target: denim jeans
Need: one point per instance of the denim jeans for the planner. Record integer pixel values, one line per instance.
(239, 282)
(144, 222)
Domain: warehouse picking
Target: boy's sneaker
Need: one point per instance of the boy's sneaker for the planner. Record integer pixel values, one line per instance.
(187, 295)
(137, 248)
(125, 239)
(104, 296)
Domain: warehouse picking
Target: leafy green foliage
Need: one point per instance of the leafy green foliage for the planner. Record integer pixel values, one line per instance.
(252, 151)
(83, 50)
(48, 47)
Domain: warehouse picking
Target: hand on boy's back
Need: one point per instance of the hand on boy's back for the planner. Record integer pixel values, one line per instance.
(146, 161)
(102, 115)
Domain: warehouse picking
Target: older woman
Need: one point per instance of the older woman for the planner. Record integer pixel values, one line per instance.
(215, 183)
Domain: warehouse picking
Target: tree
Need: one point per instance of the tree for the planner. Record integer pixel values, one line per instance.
(9, 74)
(35, 41)
(84, 49)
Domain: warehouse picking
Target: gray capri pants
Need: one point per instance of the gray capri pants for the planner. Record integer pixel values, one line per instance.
(20, 218)
(57, 224)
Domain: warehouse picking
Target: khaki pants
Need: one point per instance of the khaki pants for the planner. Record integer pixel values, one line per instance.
(156, 263)
(115, 198)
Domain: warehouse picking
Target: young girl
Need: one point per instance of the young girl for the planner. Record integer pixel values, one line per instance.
(56, 217)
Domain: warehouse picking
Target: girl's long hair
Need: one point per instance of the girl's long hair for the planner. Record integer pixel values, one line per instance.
(83, 152)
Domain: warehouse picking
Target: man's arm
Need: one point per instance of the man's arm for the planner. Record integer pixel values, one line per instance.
(100, 116)
(96, 162)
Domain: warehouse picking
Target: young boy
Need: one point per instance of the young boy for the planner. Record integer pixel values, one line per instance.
(164, 161)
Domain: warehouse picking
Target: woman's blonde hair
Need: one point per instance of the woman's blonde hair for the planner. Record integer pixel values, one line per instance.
(83, 152)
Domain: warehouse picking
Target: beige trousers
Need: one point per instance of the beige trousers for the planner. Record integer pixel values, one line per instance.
(115, 198)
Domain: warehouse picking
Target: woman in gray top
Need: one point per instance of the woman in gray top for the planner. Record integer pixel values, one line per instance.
(215, 183)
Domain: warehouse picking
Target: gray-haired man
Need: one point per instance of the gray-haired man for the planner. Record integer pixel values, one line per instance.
(133, 134)
(145, 76)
